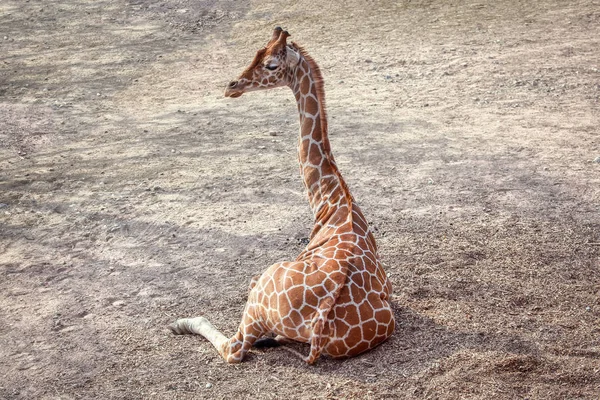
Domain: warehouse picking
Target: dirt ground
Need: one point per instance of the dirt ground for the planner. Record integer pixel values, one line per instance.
(133, 193)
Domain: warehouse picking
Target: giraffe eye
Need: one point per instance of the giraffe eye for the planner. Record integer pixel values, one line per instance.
(271, 67)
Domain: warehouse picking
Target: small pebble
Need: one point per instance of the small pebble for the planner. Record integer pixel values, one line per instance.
(118, 303)
(208, 385)
(597, 160)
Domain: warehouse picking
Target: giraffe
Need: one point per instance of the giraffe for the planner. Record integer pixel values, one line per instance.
(335, 294)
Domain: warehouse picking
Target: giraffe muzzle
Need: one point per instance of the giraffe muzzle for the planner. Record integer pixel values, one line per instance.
(232, 90)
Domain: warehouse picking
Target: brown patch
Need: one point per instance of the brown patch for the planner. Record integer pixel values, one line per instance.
(360, 348)
(314, 155)
(311, 105)
(311, 298)
(352, 316)
(296, 318)
(382, 330)
(354, 336)
(283, 304)
(296, 294)
(366, 311)
(369, 330)
(315, 278)
(356, 292)
(340, 313)
(358, 279)
(305, 84)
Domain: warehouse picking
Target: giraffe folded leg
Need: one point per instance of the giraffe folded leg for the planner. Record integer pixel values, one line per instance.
(199, 326)
(233, 349)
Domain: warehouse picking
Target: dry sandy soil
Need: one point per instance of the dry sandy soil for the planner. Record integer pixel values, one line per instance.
(132, 193)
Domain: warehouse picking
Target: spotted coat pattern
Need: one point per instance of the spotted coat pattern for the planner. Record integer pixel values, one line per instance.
(335, 295)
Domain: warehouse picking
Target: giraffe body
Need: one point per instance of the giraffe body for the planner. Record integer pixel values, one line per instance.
(335, 295)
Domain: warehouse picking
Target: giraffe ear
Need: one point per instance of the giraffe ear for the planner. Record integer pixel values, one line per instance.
(292, 57)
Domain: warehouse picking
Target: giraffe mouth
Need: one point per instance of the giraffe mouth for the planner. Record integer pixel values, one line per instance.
(234, 89)
(233, 93)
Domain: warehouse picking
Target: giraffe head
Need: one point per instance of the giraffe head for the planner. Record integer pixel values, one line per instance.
(269, 67)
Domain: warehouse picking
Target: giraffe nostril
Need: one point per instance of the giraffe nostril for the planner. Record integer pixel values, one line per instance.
(233, 84)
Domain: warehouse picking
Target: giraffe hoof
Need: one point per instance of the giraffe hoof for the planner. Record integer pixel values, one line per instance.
(178, 328)
(174, 328)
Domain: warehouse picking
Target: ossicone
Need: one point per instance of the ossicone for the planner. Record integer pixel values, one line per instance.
(279, 37)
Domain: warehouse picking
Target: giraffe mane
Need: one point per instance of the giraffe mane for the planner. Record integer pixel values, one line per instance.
(319, 84)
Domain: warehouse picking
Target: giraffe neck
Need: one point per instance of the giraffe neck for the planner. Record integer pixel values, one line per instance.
(327, 190)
